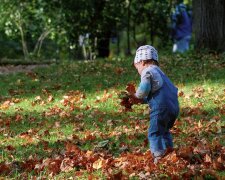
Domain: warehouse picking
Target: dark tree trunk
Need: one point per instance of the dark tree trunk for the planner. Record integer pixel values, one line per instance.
(151, 31)
(128, 52)
(118, 44)
(103, 44)
(209, 24)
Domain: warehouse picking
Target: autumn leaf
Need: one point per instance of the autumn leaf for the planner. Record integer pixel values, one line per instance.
(130, 88)
(218, 166)
(126, 103)
(185, 152)
(29, 164)
(27, 137)
(10, 148)
(53, 166)
(67, 165)
(98, 164)
(50, 98)
(5, 168)
(119, 70)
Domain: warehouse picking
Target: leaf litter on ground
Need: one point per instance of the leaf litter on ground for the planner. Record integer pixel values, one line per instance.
(114, 145)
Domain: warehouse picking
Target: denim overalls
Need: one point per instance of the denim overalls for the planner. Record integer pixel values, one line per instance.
(164, 111)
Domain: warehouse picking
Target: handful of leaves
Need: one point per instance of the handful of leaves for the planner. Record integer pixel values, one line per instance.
(127, 97)
(124, 96)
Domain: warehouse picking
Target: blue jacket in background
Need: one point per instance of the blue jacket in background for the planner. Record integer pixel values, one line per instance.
(181, 23)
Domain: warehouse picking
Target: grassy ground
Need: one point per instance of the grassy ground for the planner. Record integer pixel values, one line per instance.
(65, 121)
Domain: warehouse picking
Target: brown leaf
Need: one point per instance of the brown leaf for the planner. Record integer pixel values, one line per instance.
(218, 166)
(70, 147)
(119, 70)
(29, 164)
(67, 165)
(27, 137)
(201, 149)
(134, 100)
(172, 157)
(118, 175)
(185, 152)
(130, 88)
(10, 148)
(54, 166)
(46, 133)
(5, 168)
(126, 103)
(79, 173)
(89, 136)
(181, 94)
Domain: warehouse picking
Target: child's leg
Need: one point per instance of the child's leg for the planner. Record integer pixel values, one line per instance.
(168, 140)
(159, 136)
(167, 136)
(157, 145)
(156, 141)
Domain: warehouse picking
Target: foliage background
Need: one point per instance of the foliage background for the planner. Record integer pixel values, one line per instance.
(32, 29)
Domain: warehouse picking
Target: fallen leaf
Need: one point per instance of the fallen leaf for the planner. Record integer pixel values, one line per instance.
(98, 164)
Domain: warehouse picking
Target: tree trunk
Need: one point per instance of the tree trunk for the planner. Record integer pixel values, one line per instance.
(209, 24)
(128, 52)
(38, 45)
(151, 31)
(118, 44)
(103, 44)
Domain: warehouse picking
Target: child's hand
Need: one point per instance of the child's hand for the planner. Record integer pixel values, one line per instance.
(128, 98)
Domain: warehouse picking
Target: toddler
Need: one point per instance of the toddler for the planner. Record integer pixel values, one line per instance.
(159, 92)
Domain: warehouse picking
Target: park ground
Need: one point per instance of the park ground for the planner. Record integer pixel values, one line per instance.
(65, 121)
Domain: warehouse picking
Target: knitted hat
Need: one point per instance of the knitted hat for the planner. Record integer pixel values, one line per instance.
(145, 53)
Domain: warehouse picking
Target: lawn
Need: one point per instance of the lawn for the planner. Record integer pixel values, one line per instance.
(65, 121)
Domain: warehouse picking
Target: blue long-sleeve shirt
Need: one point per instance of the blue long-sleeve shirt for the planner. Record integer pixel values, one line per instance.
(151, 81)
(157, 90)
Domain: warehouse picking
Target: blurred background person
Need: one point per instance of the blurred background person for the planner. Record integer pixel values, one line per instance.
(181, 28)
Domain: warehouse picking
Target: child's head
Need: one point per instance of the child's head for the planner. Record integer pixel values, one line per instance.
(145, 56)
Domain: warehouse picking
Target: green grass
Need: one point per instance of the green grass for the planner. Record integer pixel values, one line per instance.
(96, 114)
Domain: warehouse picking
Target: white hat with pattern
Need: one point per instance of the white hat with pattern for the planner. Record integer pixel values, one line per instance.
(146, 52)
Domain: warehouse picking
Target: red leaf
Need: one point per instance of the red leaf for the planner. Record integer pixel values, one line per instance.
(10, 148)
(29, 164)
(131, 88)
(4, 168)
(54, 166)
(126, 103)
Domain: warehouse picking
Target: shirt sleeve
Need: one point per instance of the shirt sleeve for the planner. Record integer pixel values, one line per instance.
(144, 87)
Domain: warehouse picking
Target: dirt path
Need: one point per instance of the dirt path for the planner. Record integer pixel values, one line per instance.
(20, 68)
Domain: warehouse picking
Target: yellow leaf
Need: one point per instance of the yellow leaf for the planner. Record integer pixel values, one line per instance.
(98, 164)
